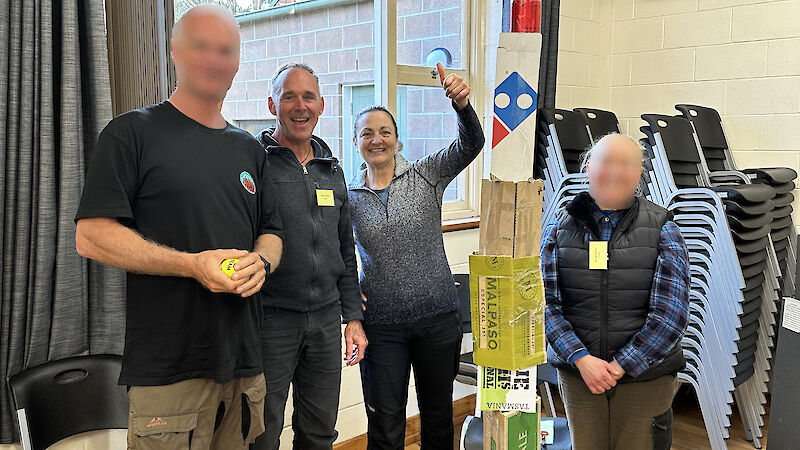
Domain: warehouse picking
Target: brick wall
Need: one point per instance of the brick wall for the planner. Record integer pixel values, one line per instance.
(337, 43)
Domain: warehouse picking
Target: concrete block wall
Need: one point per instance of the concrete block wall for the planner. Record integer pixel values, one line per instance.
(741, 57)
(582, 77)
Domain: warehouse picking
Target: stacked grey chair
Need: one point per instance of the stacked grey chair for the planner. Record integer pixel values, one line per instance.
(725, 220)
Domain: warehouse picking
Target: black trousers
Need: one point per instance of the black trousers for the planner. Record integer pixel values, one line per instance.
(432, 348)
(304, 350)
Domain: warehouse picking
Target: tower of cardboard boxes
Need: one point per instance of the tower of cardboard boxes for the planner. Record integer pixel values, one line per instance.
(507, 294)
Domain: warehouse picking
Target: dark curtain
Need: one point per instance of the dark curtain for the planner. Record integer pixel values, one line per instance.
(54, 100)
(548, 62)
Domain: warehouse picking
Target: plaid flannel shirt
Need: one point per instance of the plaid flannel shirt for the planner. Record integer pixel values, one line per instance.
(669, 299)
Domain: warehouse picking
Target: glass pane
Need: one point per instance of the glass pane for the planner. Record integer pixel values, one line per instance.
(255, 127)
(360, 97)
(427, 124)
(429, 31)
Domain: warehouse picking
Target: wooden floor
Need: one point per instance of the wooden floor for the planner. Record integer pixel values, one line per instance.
(688, 433)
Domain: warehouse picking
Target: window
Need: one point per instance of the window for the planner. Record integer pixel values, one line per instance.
(365, 52)
(428, 32)
(425, 120)
(255, 127)
(427, 123)
(354, 99)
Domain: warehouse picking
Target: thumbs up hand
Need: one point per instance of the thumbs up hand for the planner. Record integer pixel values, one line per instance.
(455, 87)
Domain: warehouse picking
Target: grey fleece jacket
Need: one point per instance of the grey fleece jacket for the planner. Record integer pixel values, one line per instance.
(318, 266)
(405, 274)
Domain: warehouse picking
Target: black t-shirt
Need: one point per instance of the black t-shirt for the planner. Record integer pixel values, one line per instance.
(191, 188)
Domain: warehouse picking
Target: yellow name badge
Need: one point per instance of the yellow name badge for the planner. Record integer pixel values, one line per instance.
(598, 255)
(325, 197)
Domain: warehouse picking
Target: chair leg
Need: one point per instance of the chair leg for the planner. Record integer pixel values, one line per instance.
(550, 406)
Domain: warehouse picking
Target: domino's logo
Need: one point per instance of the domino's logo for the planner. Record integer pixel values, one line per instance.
(514, 101)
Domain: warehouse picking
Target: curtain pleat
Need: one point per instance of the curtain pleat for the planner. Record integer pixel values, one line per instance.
(54, 99)
(549, 58)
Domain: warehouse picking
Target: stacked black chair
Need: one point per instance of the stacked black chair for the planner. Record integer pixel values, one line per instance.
(563, 138)
(600, 122)
(740, 237)
(711, 135)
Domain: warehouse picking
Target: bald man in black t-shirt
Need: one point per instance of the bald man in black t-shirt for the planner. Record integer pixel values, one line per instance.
(173, 190)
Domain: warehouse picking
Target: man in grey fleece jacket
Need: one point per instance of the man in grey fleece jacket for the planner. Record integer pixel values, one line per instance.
(315, 287)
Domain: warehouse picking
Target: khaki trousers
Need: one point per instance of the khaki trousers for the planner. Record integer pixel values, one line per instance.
(629, 416)
(197, 413)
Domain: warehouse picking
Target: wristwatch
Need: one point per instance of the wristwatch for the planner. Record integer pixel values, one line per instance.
(266, 265)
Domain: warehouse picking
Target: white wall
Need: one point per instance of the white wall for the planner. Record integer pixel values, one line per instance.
(583, 46)
(741, 57)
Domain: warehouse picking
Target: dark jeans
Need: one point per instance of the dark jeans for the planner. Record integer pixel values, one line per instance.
(432, 347)
(304, 350)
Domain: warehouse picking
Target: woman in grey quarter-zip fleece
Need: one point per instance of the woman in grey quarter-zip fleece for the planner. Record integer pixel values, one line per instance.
(411, 304)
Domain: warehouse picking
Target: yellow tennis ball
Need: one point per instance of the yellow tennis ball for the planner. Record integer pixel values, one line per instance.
(227, 266)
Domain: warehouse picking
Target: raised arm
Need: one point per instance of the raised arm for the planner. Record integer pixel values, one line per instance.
(443, 166)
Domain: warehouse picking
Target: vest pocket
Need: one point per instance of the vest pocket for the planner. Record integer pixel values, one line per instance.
(662, 431)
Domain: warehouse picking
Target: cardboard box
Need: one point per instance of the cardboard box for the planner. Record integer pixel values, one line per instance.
(513, 430)
(511, 218)
(515, 101)
(507, 301)
(507, 390)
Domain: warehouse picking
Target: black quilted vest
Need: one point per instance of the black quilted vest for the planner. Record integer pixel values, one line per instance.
(607, 307)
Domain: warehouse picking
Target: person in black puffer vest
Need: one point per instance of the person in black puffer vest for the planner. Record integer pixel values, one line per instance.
(616, 275)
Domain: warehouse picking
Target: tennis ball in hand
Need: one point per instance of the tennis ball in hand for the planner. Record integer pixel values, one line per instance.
(227, 266)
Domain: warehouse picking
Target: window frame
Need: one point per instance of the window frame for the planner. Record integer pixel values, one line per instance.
(389, 75)
(347, 119)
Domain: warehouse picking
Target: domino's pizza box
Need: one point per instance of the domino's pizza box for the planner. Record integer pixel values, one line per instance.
(515, 101)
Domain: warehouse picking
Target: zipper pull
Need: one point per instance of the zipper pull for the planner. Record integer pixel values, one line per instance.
(305, 171)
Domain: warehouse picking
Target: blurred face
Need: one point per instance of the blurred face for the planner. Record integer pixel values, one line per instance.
(298, 105)
(205, 49)
(614, 170)
(376, 138)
